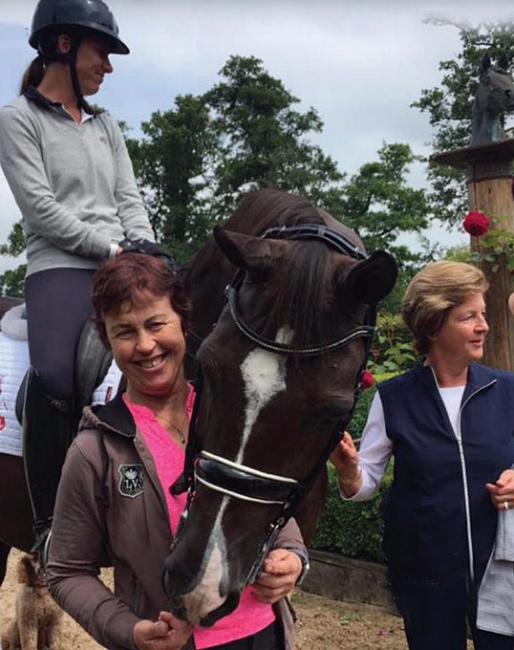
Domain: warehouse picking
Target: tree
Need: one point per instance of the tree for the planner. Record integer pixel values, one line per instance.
(195, 160)
(172, 165)
(12, 282)
(379, 205)
(263, 139)
(15, 242)
(449, 107)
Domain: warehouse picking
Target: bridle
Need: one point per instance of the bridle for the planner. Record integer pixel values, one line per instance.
(241, 481)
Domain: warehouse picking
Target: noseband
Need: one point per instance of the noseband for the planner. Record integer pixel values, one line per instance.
(246, 483)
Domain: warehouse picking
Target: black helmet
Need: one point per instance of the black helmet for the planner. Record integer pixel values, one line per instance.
(93, 15)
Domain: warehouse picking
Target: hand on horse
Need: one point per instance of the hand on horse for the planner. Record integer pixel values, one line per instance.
(280, 572)
(345, 459)
(167, 633)
(148, 248)
(502, 491)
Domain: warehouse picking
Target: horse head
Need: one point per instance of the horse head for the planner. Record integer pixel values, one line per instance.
(280, 371)
(494, 97)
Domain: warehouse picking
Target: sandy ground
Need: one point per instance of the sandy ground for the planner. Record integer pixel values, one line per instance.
(323, 624)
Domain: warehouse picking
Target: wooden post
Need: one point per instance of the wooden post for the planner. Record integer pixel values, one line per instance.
(490, 192)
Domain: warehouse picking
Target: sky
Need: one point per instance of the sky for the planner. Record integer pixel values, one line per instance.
(360, 64)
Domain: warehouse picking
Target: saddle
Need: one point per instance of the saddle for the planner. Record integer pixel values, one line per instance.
(92, 364)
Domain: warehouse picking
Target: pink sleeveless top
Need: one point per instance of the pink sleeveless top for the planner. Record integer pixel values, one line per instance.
(251, 616)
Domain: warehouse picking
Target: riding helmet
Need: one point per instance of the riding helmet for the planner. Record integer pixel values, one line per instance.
(93, 15)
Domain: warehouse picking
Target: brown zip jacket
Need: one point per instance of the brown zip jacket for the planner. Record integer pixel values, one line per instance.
(111, 510)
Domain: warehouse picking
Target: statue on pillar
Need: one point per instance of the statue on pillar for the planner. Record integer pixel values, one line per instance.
(494, 97)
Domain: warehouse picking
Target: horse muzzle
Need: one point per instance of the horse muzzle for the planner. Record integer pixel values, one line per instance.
(199, 597)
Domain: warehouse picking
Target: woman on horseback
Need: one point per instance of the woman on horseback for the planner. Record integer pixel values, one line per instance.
(69, 170)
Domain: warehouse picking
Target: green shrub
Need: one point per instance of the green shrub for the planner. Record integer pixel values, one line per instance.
(361, 410)
(392, 350)
(353, 529)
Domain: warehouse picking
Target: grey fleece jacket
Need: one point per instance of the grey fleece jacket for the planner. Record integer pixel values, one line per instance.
(74, 184)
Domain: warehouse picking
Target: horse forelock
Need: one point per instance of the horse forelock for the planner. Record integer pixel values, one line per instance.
(302, 289)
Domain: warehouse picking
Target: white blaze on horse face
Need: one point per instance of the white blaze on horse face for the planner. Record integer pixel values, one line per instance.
(264, 375)
(206, 598)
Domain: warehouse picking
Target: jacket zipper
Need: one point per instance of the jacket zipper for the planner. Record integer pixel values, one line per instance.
(458, 436)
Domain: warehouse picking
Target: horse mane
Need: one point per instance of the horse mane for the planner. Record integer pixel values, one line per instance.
(265, 208)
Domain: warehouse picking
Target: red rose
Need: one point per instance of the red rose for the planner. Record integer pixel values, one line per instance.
(476, 223)
(366, 380)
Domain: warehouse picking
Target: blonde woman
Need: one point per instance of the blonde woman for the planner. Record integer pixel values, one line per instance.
(449, 425)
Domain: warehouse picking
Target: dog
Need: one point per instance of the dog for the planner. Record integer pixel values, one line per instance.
(38, 619)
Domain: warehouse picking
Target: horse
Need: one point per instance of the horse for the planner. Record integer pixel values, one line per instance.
(494, 96)
(277, 384)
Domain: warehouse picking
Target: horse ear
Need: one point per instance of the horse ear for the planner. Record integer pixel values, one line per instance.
(254, 254)
(372, 279)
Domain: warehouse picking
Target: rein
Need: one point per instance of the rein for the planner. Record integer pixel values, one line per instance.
(246, 483)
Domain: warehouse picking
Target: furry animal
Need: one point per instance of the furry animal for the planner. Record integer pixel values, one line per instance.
(38, 619)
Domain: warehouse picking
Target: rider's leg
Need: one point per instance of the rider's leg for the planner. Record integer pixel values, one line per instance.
(58, 304)
(46, 436)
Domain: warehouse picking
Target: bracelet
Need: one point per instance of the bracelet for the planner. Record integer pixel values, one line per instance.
(349, 481)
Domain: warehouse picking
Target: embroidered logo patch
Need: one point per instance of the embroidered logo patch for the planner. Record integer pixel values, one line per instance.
(131, 480)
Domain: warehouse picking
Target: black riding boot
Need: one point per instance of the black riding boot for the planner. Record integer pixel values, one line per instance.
(47, 431)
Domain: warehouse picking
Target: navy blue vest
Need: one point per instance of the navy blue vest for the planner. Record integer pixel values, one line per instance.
(425, 537)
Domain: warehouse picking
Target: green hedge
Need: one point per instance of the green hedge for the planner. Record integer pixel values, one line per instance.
(353, 529)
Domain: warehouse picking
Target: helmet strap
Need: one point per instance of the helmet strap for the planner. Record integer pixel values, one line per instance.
(70, 58)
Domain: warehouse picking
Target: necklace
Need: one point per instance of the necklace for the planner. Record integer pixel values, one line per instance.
(174, 426)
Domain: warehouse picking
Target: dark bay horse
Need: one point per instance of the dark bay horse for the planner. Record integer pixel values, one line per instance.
(279, 378)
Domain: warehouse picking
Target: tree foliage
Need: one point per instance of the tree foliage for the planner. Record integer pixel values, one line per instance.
(264, 140)
(15, 242)
(12, 282)
(172, 164)
(195, 160)
(378, 203)
(449, 107)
